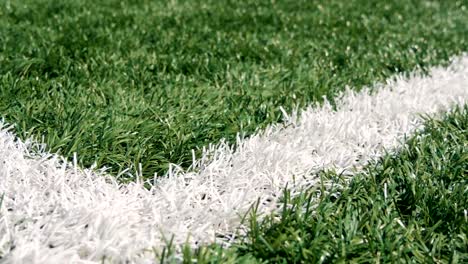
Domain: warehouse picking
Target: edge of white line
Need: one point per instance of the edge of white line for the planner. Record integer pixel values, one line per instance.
(53, 211)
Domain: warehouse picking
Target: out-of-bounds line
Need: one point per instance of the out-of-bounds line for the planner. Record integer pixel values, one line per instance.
(53, 212)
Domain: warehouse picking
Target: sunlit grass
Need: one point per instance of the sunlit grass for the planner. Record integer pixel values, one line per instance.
(123, 83)
(407, 207)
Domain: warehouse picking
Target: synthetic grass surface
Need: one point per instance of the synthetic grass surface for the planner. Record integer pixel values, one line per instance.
(408, 207)
(53, 210)
(124, 83)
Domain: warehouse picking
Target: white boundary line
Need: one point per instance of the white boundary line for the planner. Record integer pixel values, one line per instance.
(54, 212)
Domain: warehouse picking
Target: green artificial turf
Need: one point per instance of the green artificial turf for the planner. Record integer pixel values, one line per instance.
(129, 82)
(407, 207)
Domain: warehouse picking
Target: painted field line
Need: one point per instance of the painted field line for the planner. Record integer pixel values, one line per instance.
(53, 212)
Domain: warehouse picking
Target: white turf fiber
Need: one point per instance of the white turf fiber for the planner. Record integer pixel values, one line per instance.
(54, 212)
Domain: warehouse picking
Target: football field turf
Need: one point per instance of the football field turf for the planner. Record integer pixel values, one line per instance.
(124, 83)
(224, 102)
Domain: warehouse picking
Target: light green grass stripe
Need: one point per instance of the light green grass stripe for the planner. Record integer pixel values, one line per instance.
(129, 82)
(407, 207)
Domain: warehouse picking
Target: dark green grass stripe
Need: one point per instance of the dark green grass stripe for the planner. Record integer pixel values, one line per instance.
(128, 82)
(411, 206)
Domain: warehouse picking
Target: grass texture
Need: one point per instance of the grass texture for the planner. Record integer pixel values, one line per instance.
(409, 207)
(124, 83)
(53, 210)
